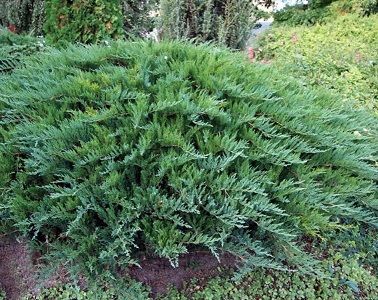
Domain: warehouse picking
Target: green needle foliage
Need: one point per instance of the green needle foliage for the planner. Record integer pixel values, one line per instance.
(14, 49)
(108, 152)
(226, 22)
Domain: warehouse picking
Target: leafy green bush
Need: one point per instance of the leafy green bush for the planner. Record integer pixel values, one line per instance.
(319, 12)
(339, 55)
(224, 22)
(302, 15)
(316, 11)
(83, 21)
(2, 295)
(108, 152)
(133, 291)
(319, 3)
(368, 7)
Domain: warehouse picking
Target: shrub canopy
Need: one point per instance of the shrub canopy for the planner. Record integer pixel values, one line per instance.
(15, 49)
(108, 152)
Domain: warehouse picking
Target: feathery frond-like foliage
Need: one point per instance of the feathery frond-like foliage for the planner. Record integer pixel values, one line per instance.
(15, 48)
(107, 152)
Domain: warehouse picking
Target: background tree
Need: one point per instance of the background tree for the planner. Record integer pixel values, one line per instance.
(139, 16)
(226, 22)
(24, 15)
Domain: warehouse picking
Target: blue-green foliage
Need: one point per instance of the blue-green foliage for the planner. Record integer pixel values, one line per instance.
(110, 151)
(15, 48)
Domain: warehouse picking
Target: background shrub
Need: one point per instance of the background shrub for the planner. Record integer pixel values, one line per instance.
(323, 11)
(25, 15)
(362, 7)
(110, 152)
(319, 3)
(83, 21)
(139, 17)
(339, 55)
(302, 15)
(225, 22)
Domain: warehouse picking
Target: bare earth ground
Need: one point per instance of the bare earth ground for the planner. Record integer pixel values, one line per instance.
(18, 273)
(159, 275)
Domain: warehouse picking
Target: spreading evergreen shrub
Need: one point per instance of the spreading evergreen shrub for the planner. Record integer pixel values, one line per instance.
(111, 152)
(14, 49)
(224, 22)
(83, 21)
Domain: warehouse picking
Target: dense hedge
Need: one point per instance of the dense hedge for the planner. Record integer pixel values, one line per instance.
(79, 21)
(110, 152)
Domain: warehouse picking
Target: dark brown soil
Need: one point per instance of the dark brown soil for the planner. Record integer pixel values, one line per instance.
(159, 275)
(18, 270)
(18, 273)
